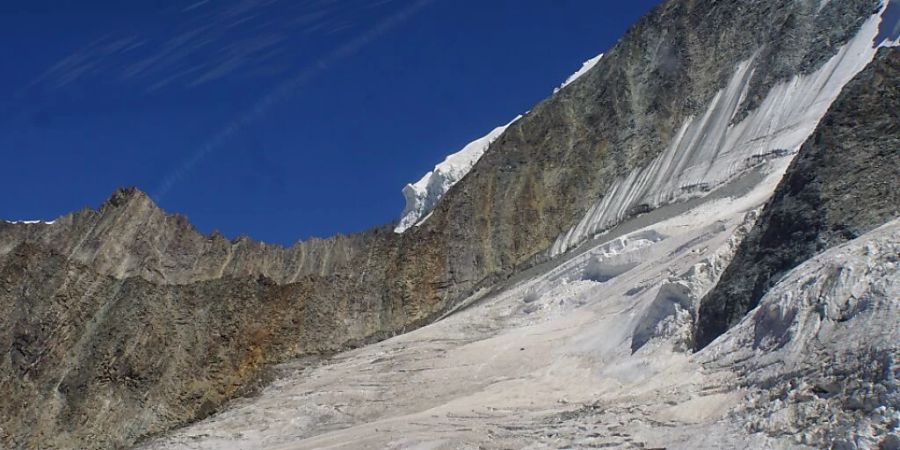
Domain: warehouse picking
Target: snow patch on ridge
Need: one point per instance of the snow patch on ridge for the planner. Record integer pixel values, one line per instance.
(31, 222)
(709, 150)
(585, 67)
(422, 196)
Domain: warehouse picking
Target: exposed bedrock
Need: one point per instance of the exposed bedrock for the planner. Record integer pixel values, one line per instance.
(844, 182)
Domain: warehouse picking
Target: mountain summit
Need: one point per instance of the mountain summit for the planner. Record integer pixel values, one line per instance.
(692, 244)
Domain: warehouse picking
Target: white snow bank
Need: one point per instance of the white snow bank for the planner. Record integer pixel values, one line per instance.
(709, 150)
(31, 222)
(423, 196)
(585, 67)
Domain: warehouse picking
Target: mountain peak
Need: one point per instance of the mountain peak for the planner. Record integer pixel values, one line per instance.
(125, 195)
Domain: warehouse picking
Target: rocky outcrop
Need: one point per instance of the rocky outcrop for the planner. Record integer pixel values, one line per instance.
(128, 236)
(124, 321)
(844, 182)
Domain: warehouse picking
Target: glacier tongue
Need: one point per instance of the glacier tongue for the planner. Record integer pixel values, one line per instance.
(422, 196)
(710, 150)
(586, 353)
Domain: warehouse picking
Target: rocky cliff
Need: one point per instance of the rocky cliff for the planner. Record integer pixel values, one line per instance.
(844, 182)
(129, 236)
(124, 321)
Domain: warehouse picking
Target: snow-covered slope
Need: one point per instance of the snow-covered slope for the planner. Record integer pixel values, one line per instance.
(712, 149)
(422, 196)
(588, 352)
(31, 222)
(584, 351)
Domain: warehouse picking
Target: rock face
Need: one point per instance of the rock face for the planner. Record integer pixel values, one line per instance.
(130, 236)
(844, 182)
(544, 173)
(124, 321)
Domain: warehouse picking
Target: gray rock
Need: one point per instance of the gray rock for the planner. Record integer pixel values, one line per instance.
(845, 181)
(843, 444)
(890, 442)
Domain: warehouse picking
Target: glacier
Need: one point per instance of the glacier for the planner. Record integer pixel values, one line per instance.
(587, 352)
(591, 349)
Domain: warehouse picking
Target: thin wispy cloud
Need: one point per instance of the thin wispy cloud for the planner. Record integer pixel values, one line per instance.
(281, 92)
(209, 41)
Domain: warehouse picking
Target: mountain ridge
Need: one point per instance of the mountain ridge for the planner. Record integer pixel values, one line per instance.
(90, 270)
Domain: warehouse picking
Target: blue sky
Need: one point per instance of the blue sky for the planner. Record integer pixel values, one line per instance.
(278, 119)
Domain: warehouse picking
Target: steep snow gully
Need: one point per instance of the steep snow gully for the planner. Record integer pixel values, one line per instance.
(592, 350)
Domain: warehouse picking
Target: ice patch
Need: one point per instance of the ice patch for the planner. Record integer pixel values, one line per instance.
(673, 304)
(422, 196)
(585, 67)
(601, 271)
(610, 259)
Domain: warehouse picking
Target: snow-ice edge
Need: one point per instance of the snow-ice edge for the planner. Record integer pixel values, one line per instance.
(422, 196)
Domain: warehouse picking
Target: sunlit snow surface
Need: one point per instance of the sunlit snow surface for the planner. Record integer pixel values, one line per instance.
(423, 195)
(585, 67)
(31, 222)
